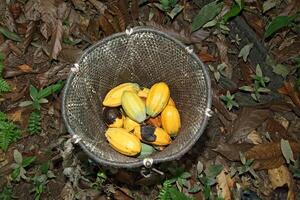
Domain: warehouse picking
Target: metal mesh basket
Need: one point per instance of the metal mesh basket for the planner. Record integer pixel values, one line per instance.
(144, 56)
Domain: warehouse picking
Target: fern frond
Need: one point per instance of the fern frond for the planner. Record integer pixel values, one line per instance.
(34, 124)
(164, 191)
(9, 133)
(4, 86)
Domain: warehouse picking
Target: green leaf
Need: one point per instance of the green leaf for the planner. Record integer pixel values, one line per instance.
(175, 11)
(4, 86)
(25, 103)
(262, 89)
(258, 71)
(206, 14)
(43, 93)
(234, 11)
(281, 70)
(296, 173)
(34, 124)
(243, 158)
(185, 175)
(6, 194)
(200, 167)
(28, 160)
(210, 23)
(10, 35)
(247, 88)
(213, 170)
(195, 189)
(245, 51)
(9, 132)
(278, 23)
(45, 167)
(287, 151)
(33, 93)
(18, 157)
(15, 175)
(176, 195)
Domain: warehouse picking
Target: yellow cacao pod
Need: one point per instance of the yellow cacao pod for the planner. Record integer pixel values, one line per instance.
(113, 117)
(171, 102)
(170, 120)
(157, 98)
(152, 135)
(114, 97)
(133, 106)
(129, 124)
(143, 93)
(123, 142)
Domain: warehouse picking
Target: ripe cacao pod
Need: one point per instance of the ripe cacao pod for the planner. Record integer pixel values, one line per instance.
(114, 97)
(157, 98)
(170, 120)
(123, 142)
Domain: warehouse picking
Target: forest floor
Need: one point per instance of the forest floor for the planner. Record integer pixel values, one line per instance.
(250, 147)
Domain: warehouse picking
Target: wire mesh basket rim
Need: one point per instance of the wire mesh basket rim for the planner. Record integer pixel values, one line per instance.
(140, 162)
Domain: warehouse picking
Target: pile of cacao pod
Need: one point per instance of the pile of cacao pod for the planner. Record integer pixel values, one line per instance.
(139, 117)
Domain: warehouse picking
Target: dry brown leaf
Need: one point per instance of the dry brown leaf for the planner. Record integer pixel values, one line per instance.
(206, 57)
(225, 183)
(105, 25)
(25, 68)
(276, 130)
(223, 49)
(281, 176)
(288, 89)
(101, 7)
(29, 35)
(56, 40)
(183, 35)
(15, 9)
(15, 116)
(283, 121)
(248, 119)
(268, 163)
(288, 52)
(254, 137)
(135, 9)
(231, 151)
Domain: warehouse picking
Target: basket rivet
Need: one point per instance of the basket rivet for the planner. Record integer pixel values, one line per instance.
(209, 112)
(189, 49)
(129, 31)
(76, 138)
(148, 162)
(75, 68)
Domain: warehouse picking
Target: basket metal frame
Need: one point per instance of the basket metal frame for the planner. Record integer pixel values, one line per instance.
(140, 162)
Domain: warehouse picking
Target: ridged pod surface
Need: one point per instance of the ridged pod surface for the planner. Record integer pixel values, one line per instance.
(123, 142)
(114, 97)
(157, 98)
(130, 124)
(170, 119)
(133, 106)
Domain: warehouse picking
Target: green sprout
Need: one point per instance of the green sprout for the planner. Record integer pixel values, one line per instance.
(229, 100)
(259, 85)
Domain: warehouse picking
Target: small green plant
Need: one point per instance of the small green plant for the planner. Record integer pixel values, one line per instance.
(4, 87)
(280, 22)
(180, 177)
(20, 165)
(170, 7)
(245, 168)
(39, 97)
(168, 192)
(208, 178)
(39, 181)
(229, 100)
(101, 178)
(6, 194)
(259, 85)
(219, 71)
(9, 132)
